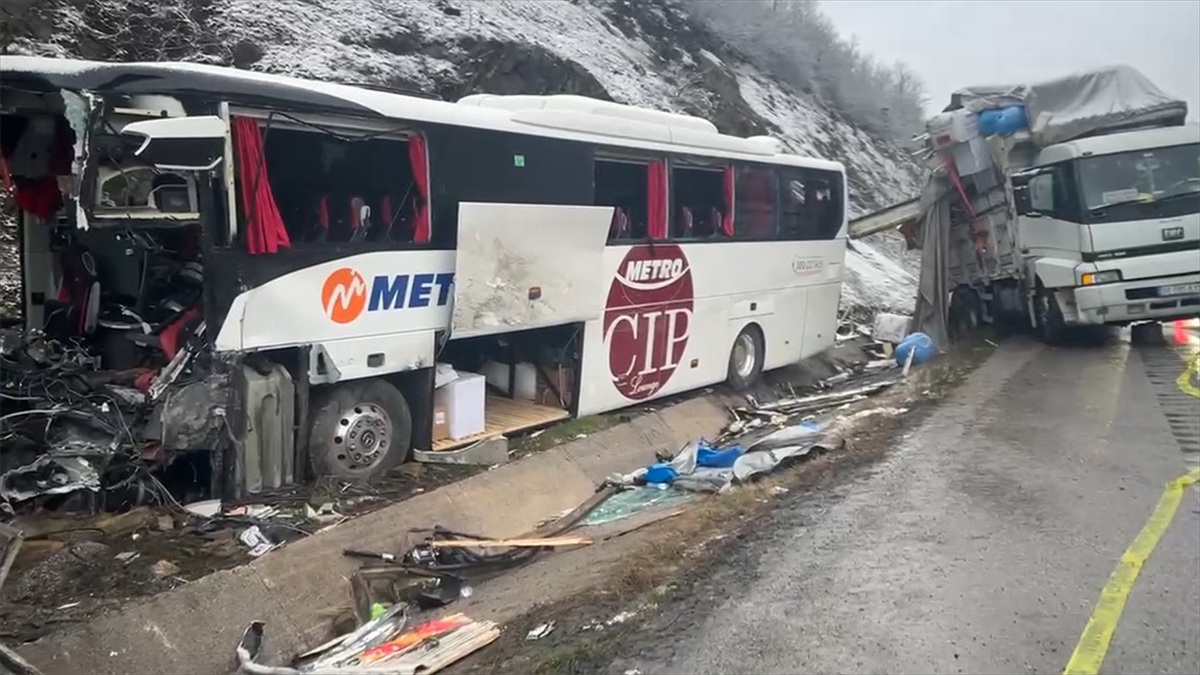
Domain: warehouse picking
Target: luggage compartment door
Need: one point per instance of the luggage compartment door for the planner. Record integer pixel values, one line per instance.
(522, 266)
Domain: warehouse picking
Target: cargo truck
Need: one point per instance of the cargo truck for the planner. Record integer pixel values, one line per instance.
(1069, 202)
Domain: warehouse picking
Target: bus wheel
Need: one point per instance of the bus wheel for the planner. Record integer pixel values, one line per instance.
(746, 358)
(359, 431)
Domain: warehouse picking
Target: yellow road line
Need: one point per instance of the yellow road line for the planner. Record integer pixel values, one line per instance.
(1098, 633)
(1185, 378)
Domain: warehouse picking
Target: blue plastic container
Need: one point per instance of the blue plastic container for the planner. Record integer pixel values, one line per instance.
(1004, 121)
(921, 346)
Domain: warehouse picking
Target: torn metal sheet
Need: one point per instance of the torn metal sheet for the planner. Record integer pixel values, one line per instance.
(424, 649)
(49, 475)
(185, 413)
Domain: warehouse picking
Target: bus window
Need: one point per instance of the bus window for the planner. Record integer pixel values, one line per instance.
(810, 203)
(756, 201)
(333, 189)
(483, 165)
(625, 185)
(697, 202)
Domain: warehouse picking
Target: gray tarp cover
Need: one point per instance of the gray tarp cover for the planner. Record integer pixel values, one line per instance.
(933, 236)
(1079, 104)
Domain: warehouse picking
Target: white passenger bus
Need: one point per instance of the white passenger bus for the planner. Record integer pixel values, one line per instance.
(340, 241)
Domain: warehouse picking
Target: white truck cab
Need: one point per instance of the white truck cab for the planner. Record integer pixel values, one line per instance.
(1109, 228)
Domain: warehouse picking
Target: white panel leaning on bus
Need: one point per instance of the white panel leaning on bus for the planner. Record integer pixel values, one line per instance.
(581, 255)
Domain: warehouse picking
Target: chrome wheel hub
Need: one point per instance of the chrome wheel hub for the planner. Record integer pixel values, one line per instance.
(362, 437)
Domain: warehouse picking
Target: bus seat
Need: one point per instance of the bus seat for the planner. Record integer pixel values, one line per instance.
(689, 222)
(620, 223)
(320, 231)
(360, 219)
(387, 218)
(715, 222)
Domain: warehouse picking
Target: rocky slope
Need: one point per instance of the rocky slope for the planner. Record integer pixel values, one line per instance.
(645, 52)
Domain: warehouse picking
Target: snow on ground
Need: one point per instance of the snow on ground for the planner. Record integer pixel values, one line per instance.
(877, 282)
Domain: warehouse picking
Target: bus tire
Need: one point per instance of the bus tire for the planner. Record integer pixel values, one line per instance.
(360, 430)
(746, 358)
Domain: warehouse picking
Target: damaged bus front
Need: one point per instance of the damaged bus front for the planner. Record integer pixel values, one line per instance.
(109, 391)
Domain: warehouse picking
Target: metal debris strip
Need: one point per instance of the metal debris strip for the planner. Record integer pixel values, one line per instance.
(381, 646)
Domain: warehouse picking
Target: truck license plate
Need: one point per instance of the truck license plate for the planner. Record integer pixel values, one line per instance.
(1179, 289)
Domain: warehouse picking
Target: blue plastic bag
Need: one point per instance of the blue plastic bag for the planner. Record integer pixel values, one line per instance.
(921, 347)
(661, 473)
(710, 457)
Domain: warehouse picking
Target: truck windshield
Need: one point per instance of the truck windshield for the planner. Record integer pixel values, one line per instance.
(1142, 184)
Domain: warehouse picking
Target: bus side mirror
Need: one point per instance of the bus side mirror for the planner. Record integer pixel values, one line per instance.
(179, 143)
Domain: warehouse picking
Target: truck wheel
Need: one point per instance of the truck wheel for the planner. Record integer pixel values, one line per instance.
(1049, 319)
(360, 430)
(965, 313)
(746, 359)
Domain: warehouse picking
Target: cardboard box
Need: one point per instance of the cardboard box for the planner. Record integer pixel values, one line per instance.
(463, 400)
(441, 422)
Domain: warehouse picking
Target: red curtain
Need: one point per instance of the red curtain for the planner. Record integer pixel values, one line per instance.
(265, 232)
(656, 191)
(727, 219)
(418, 156)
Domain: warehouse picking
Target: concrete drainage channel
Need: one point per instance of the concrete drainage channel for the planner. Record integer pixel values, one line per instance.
(193, 629)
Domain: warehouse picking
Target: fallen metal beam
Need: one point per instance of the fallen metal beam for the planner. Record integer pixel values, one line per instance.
(885, 219)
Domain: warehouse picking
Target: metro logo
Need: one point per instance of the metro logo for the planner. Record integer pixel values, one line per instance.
(653, 270)
(344, 295)
(647, 319)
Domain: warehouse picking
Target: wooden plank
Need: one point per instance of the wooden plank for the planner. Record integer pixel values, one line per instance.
(505, 416)
(511, 543)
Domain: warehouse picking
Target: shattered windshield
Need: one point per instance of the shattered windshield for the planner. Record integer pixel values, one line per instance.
(1126, 182)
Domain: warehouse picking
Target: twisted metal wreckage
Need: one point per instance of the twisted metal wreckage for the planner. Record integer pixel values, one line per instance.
(101, 394)
(99, 439)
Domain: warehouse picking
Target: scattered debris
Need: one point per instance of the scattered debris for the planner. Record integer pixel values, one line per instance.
(128, 556)
(540, 631)
(891, 328)
(380, 646)
(11, 540)
(511, 543)
(633, 501)
(256, 541)
(205, 509)
(165, 568)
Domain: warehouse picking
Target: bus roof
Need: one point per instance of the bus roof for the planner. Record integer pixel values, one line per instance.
(637, 129)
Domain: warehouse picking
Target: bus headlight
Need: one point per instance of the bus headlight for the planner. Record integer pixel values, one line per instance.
(1105, 277)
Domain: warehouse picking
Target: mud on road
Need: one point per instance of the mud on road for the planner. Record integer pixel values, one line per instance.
(686, 562)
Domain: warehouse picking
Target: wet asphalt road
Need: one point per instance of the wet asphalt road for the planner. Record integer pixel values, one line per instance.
(980, 544)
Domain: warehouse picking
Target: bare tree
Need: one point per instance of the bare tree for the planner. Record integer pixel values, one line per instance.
(796, 41)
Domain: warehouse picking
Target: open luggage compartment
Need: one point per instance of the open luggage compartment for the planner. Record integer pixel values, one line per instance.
(538, 390)
(504, 416)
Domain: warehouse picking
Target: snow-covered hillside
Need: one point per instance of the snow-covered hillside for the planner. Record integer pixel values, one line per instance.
(644, 52)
